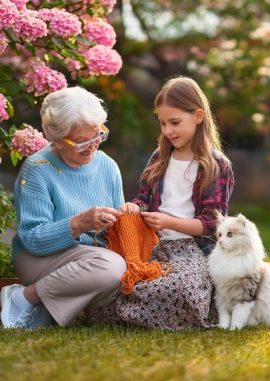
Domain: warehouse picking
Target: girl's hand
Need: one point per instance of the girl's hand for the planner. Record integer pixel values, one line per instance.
(95, 218)
(156, 220)
(129, 207)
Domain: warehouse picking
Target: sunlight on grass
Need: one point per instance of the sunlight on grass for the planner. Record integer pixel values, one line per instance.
(118, 353)
(127, 353)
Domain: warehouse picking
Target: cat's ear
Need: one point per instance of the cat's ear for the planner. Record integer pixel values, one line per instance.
(241, 218)
(219, 216)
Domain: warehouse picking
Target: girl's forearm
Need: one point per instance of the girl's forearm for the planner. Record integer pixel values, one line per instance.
(191, 226)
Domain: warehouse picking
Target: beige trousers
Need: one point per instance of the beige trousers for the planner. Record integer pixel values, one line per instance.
(72, 279)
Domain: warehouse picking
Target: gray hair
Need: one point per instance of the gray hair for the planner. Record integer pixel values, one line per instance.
(63, 109)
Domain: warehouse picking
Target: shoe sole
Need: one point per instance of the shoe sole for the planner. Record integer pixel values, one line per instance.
(4, 294)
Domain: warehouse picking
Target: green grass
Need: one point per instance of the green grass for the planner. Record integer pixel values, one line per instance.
(122, 353)
(118, 353)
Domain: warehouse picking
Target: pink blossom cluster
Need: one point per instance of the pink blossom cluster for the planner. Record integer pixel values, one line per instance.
(29, 26)
(100, 32)
(28, 141)
(20, 4)
(103, 60)
(41, 79)
(3, 42)
(62, 23)
(73, 66)
(3, 105)
(9, 14)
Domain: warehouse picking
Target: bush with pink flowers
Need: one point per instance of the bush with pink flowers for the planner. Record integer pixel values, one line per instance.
(25, 142)
(39, 42)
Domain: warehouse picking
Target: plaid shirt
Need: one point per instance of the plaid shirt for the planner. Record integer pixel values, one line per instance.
(215, 197)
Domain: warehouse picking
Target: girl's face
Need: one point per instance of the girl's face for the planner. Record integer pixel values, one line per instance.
(77, 134)
(179, 126)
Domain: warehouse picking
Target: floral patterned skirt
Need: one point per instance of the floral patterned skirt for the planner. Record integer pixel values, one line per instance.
(178, 300)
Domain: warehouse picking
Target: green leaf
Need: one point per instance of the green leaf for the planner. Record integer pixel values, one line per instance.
(57, 42)
(10, 108)
(14, 157)
(85, 41)
(3, 133)
(6, 73)
(30, 48)
(12, 87)
(68, 53)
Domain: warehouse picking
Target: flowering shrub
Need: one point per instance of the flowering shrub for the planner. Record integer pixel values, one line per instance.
(100, 32)
(3, 108)
(61, 22)
(41, 79)
(103, 60)
(26, 142)
(40, 38)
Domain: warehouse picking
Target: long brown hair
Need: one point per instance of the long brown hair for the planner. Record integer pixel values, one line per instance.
(185, 94)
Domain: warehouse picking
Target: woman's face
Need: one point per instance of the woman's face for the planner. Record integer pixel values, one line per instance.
(78, 134)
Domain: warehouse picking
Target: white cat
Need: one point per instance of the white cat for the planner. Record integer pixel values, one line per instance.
(240, 275)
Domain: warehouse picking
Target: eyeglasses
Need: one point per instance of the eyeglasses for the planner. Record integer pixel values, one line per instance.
(102, 137)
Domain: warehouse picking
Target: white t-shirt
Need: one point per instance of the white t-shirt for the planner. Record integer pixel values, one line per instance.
(176, 198)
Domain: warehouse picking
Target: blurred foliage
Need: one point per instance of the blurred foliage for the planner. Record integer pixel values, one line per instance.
(223, 44)
(7, 210)
(6, 268)
(260, 215)
(7, 219)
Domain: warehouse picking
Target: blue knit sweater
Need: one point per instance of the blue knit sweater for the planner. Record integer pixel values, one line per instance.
(48, 193)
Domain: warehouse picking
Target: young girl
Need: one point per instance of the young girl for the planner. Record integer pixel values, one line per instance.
(186, 180)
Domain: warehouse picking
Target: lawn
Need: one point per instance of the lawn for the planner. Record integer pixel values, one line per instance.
(119, 353)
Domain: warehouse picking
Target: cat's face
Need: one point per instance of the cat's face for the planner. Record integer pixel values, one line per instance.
(233, 233)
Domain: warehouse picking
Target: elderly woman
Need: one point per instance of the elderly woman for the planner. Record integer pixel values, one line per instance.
(66, 195)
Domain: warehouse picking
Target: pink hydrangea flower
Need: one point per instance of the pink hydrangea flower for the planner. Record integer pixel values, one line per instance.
(72, 64)
(62, 23)
(20, 4)
(3, 42)
(73, 67)
(41, 79)
(9, 14)
(29, 26)
(28, 141)
(3, 105)
(103, 60)
(100, 32)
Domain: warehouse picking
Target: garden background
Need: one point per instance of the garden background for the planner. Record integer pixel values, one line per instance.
(222, 44)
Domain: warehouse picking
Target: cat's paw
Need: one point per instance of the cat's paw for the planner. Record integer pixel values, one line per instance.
(236, 326)
(223, 325)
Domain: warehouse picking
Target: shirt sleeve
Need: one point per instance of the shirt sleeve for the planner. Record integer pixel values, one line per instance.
(216, 197)
(38, 232)
(143, 198)
(118, 194)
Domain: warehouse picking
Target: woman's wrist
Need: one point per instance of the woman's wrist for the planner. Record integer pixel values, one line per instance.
(76, 226)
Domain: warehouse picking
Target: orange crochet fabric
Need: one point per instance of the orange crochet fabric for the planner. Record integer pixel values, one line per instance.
(134, 240)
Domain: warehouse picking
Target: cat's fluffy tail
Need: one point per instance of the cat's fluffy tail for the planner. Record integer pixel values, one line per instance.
(261, 311)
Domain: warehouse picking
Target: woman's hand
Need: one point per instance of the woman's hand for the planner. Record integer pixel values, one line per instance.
(95, 218)
(130, 207)
(156, 220)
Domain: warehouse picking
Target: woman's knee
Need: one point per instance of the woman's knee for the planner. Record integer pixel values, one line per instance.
(115, 270)
(112, 266)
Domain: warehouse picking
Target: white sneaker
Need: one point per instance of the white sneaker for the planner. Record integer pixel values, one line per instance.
(14, 317)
